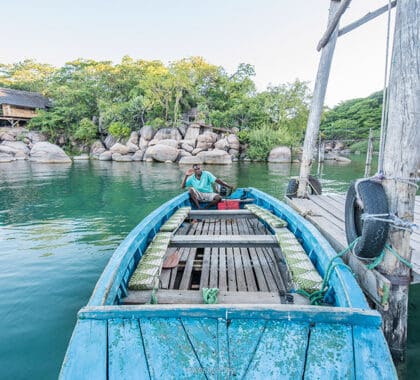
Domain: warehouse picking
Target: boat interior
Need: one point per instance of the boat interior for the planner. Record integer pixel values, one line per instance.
(231, 250)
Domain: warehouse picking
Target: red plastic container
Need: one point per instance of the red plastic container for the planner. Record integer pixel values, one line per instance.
(228, 205)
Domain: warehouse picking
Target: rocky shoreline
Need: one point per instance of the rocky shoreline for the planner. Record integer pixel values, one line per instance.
(184, 145)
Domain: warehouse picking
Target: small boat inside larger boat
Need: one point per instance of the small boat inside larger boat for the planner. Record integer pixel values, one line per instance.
(223, 294)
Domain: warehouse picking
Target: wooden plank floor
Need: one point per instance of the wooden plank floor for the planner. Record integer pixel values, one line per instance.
(239, 272)
(326, 212)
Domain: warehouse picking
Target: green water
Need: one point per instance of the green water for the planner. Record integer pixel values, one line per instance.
(59, 224)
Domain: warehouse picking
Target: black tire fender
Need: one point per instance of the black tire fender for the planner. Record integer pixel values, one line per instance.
(314, 187)
(372, 233)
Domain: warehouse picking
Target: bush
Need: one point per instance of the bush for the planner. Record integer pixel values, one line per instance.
(262, 140)
(119, 129)
(86, 130)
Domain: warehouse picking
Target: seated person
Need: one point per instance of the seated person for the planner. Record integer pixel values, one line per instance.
(200, 185)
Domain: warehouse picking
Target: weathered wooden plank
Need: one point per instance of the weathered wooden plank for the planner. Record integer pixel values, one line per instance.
(173, 296)
(244, 337)
(296, 313)
(371, 354)
(214, 266)
(168, 350)
(274, 268)
(222, 269)
(280, 353)
(220, 214)
(186, 276)
(265, 266)
(223, 241)
(239, 270)
(126, 357)
(205, 269)
(202, 334)
(328, 207)
(86, 357)
(246, 261)
(330, 352)
(261, 281)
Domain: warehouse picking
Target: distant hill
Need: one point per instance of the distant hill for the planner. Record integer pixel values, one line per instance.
(353, 118)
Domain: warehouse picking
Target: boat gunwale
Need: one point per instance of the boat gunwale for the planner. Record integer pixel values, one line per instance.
(295, 313)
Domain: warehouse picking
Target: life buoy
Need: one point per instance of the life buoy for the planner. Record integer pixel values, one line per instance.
(314, 187)
(372, 233)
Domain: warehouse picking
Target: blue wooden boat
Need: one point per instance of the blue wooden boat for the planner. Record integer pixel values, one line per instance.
(260, 327)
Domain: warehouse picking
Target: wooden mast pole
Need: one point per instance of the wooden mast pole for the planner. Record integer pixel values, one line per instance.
(369, 154)
(401, 160)
(317, 104)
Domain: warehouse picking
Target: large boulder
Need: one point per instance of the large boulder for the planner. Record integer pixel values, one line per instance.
(280, 154)
(162, 153)
(119, 148)
(35, 137)
(132, 148)
(233, 141)
(169, 142)
(105, 156)
(190, 160)
(97, 149)
(16, 148)
(46, 152)
(134, 138)
(216, 157)
(222, 144)
(143, 143)
(147, 132)
(122, 157)
(138, 156)
(4, 157)
(343, 160)
(110, 141)
(6, 135)
(193, 132)
(168, 133)
(187, 146)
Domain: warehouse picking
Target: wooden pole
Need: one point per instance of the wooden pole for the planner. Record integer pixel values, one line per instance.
(333, 23)
(365, 19)
(317, 104)
(369, 154)
(401, 160)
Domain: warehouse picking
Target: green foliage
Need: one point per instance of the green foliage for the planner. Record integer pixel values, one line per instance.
(263, 140)
(86, 131)
(118, 129)
(362, 146)
(352, 119)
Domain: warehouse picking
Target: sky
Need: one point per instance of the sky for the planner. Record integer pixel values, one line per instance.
(277, 37)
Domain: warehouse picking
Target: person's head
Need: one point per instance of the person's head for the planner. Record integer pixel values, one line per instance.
(197, 169)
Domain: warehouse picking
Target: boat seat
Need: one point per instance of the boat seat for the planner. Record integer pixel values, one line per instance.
(146, 275)
(304, 274)
(175, 220)
(273, 220)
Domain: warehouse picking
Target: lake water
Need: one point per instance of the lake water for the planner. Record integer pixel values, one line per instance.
(59, 225)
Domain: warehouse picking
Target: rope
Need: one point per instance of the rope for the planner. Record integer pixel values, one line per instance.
(397, 222)
(317, 297)
(210, 295)
(380, 258)
(384, 118)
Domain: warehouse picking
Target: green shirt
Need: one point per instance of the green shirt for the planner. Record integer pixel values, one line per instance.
(204, 184)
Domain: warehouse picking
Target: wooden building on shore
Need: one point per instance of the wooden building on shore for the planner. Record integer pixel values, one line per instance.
(18, 107)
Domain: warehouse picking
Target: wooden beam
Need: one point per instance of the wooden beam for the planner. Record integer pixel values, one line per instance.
(332, 25)
(220, 214)
(196, 297)
(369, 16)
(240, 241)
(400, 164)
(317, 105)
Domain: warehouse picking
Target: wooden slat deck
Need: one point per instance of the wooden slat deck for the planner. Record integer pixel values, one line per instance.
(326, 212)
(229, 250)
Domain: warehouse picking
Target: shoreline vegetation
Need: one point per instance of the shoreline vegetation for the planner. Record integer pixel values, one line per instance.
(135, 106)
